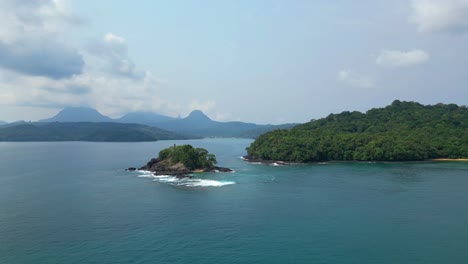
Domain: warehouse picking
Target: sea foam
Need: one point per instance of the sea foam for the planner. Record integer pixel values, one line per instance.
(276, 164)
(187, 182)
(202, 183)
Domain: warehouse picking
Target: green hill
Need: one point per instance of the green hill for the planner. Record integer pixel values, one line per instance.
(85, 131)
(402, 131)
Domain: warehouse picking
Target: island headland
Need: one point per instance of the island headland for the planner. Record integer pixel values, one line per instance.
(181, 161)
(402, 131)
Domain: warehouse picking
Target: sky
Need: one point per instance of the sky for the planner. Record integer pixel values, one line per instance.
(263, 61)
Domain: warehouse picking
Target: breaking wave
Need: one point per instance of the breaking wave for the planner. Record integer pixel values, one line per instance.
(187, 182)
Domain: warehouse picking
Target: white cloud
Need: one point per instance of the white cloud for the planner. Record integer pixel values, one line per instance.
(209, 108)
(105, 77)
(31, 41)
(354, 79)
(113, 52)
(398, 58)
(203, 106)
(111, 38)
(112, 96)
(35, 18)
(440, 15)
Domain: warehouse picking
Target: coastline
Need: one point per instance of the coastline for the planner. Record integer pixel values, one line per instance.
(446, 159)
(249, 159)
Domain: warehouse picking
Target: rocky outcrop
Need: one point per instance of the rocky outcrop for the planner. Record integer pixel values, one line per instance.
(218, 169)
(166, 167)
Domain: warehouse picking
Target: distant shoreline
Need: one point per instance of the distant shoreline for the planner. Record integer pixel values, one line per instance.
(247, 158)
(445, 159)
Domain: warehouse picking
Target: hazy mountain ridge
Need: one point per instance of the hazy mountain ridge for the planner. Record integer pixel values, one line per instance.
(78, 114)
(85, 131)
(196, 123)
(146, 118)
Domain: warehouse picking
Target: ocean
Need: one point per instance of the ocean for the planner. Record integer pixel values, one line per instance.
(73, 202)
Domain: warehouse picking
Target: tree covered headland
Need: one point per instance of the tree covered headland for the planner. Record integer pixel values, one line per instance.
(192, 158)
(402, 131)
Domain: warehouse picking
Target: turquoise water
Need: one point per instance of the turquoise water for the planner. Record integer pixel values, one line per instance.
(73, 203)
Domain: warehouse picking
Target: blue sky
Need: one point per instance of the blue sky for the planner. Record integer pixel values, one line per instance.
(256, 61)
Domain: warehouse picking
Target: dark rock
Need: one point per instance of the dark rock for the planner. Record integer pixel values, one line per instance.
(184, 177)
(164, 167)
(172, 172)
(150, 165)
(221, 169)
(131, 169)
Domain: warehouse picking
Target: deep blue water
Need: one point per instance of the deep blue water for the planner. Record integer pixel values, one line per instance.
(74, 203)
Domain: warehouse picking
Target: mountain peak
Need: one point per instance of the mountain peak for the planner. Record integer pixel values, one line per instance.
(78, 114)
(197, 115)
(78, 108)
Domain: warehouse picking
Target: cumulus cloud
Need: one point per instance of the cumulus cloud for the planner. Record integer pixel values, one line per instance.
(29, 39)
(440, 15)
(209, 108)
(112, 96)
(398, 58)
(355, 79)
(74, 89)
(113, 50)
(41, 57)
(40, 69)
(205, 107)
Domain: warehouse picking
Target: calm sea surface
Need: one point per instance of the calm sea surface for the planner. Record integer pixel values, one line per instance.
(72, 202)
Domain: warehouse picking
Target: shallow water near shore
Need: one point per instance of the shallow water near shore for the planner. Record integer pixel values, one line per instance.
(73, 202)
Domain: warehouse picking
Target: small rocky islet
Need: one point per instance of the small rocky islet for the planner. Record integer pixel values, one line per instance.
(181, 161)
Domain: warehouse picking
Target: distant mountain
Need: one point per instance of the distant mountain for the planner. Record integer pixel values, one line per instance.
(3, 123)
(146, 118)
(85, 131)
(196, 123)
(78, 114)
(198, 117)
(199, 124)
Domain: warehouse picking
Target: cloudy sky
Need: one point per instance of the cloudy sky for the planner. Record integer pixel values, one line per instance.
(264, 61)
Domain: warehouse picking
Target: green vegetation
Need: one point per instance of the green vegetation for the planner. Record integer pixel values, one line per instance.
(255, 133)
(402, 131)
(84, 131)
(192, 158)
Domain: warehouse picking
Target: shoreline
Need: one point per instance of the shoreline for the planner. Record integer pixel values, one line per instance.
(249, 159)
(272, 162)
(446, 159)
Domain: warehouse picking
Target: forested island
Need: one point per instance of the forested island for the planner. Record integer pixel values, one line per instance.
(183, 160)
(402, 131)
